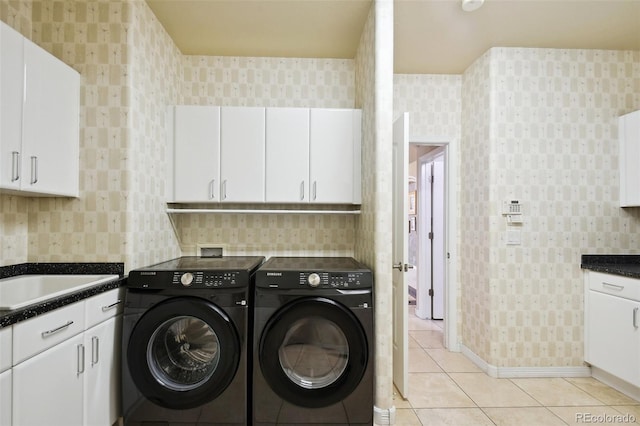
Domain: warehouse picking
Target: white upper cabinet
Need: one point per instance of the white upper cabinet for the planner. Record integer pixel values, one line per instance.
(335, 140)
(11, 93)
(629, 143)
(40, 109)
(197, 154)
(273, 155)
(242, 146)
(287, 155)
(50, 138)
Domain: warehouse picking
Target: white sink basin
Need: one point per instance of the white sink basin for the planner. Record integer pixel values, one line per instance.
(24, 290)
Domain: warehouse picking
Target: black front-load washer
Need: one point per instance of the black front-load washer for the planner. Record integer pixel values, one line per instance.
(184, 342)
(313, 342)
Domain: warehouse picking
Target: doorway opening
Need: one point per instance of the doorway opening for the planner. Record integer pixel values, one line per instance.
(427, 232)
(403, 339)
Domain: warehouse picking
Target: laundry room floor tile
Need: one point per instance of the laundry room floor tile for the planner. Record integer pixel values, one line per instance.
(460, 394)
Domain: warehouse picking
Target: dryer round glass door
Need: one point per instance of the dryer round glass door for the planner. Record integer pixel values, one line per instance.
(313, 352)
(183, 353)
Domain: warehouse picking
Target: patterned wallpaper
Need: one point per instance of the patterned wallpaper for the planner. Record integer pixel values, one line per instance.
(118, 217)
(374, 92)
(475, 151)
(435, 106)
(434, 101)
(547, 135)
(155, 80)
(268, 82)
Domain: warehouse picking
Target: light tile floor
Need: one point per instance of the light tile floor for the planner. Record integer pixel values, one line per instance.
(445, 388)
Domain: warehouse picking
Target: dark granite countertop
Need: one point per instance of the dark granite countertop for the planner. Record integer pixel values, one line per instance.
(625, 265)
(8, 318)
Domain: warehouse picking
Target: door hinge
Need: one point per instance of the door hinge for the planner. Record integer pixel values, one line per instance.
(431, 235)
(431, 292)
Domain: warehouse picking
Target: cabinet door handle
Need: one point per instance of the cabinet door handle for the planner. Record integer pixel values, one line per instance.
(80, 364)
(613, 286)
(111, 306)
(635, 318)
(95, 350)
(315, 190)
(302, 191)
(34, 170)
(224, 189)
(212, 189)
(15, 166)
(57, 329)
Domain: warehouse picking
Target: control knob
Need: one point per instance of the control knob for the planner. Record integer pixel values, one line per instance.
(314, 280)
(186, 279)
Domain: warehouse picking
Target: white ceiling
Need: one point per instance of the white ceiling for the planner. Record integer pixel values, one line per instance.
(431, 36)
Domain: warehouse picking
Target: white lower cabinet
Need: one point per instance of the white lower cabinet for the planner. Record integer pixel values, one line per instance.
(68, 360)
(612, 321)
(5, 397)
(101, 405)
(54, 379)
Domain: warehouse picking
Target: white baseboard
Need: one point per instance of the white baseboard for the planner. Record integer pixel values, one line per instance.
(517, 372)
(384, 416)
(616, 383)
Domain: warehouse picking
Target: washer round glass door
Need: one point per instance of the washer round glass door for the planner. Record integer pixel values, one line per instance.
(313, 352)
(183, 353)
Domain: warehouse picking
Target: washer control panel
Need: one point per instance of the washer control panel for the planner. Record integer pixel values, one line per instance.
(205, 279)
(347, 280)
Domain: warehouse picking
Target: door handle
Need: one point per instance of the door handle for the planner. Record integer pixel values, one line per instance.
(403, 267)
(15, 166)
(80, 360)
(34, 170)
(212, 190)
(95, 350)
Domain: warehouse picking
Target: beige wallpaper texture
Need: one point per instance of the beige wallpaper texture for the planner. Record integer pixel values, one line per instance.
(155, 80)
(374, 80)
(117, 47)
(435, 106)
(540, 125)
(475, 160)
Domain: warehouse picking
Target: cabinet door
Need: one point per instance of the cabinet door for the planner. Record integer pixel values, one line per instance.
(11, 86)
(242, 146)
(287, 155)
(613, 341)
(102, 373)
(197, 153)
(629, 143)
(47, 389)
(5, 398)
(50, 143)
(334, 155)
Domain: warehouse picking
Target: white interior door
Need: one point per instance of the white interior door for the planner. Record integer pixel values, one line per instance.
(423, 297)
(400, 253)
(439, 247)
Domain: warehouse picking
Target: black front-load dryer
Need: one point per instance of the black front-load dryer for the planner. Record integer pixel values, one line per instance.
(184, 342)
(313, 343)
